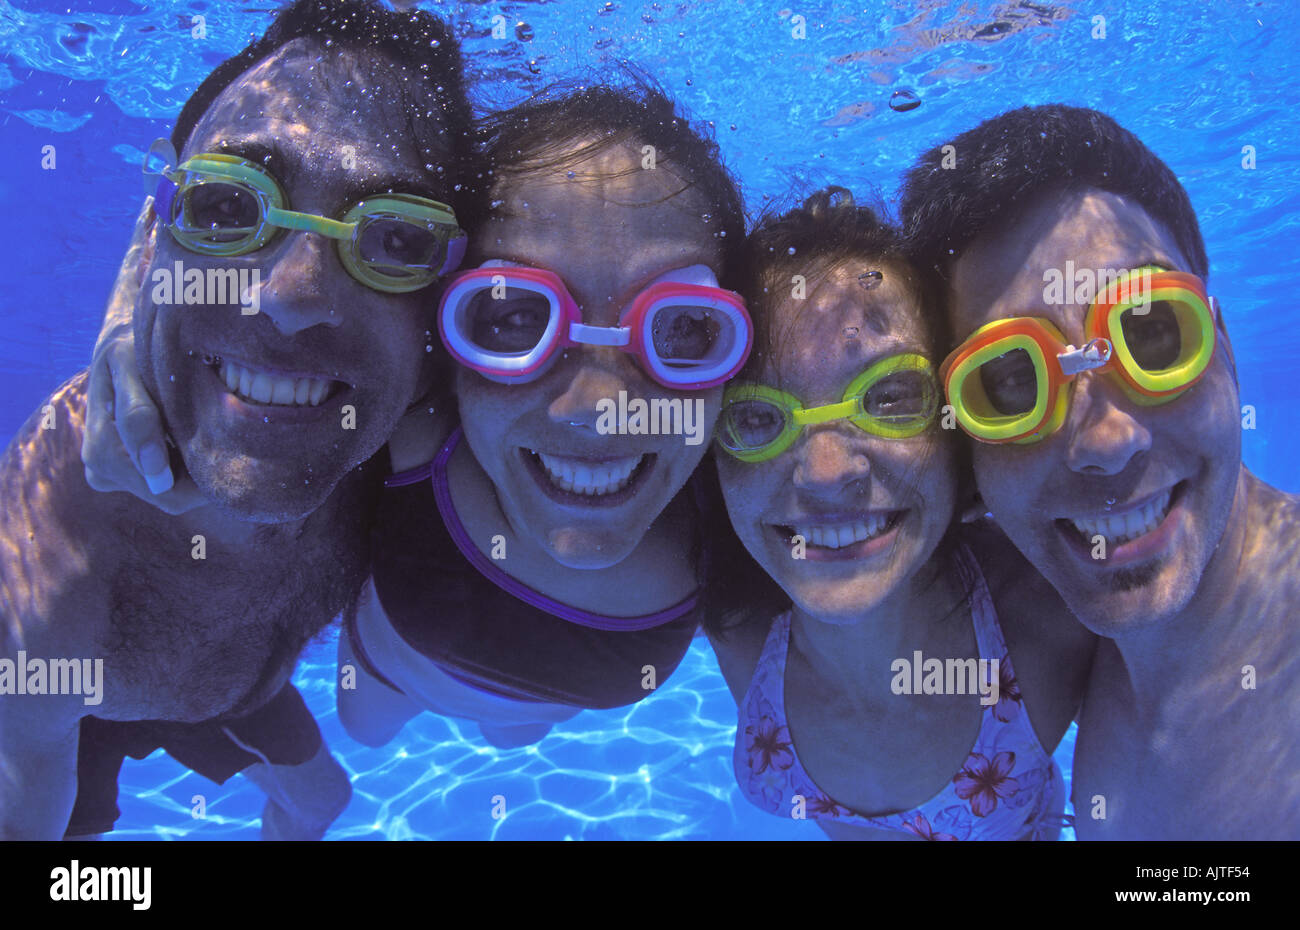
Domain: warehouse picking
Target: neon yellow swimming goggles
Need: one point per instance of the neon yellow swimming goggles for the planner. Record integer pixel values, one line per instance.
(1152, 331)
(222, 205)
(894, 398)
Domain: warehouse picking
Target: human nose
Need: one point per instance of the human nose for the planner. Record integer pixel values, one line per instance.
(296, 294)
(592, 375)
(827, 460)
(1105, 435)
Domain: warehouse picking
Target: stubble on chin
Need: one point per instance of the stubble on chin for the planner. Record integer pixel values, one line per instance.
(1134, 577)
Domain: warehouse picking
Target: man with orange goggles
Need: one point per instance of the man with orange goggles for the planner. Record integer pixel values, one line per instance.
(1152, 330)
(1109, 451)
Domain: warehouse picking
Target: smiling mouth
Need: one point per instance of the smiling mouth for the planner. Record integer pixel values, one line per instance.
(270, 389)
(572, 480)
(835, 536)
(1124, 528)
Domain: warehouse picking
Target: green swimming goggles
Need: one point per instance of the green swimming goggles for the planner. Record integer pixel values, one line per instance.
(222, 205)
(894, 398)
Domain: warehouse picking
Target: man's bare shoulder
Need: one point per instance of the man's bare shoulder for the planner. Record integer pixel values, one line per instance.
(1271, 564)
(1276, 516)
(50, 522)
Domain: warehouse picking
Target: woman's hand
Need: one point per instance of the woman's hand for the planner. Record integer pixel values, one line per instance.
(124, 447)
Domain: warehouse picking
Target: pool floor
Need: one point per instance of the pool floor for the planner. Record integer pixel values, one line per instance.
(658, 770)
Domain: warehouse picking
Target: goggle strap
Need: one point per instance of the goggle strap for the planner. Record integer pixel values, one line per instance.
(288, 219)
(811, 416)
(599, 335)
(163, 197)
(455, 254)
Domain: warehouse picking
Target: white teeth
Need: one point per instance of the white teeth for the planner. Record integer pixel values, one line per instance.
(580, 477)
(261, 391)
(1126, 527)
(283, 391)
(265, 388)
(843, 534)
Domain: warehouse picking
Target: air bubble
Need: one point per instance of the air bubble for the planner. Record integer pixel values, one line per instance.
(790, 251)
(534, 67)
(428, 348)
(523, 31)
(904, 100)
(870, 280)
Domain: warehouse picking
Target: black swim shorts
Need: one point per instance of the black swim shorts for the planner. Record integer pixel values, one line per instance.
(282, 729)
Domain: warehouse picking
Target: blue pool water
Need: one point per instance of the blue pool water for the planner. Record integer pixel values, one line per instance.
(1198, 81)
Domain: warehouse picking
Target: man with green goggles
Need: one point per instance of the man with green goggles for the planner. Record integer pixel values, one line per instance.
(221, 205)
(200, 599)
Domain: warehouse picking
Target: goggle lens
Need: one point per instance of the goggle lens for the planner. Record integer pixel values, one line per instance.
(395, 246)
(1157, 339)
(900, 398)
(511, 323)
(217, 215)
(687, 337)
(1009, 386)
(750, 425)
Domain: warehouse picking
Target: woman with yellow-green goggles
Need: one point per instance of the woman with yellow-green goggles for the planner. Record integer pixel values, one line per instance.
(856, 573)
(893, 398)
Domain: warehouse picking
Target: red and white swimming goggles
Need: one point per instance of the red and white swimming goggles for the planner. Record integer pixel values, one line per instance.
(510, 323)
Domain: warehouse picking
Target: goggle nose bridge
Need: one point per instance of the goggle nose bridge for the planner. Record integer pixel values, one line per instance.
(1093, 354)
(583, 334)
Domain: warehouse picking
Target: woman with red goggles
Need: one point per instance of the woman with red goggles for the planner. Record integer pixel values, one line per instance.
(537, 553)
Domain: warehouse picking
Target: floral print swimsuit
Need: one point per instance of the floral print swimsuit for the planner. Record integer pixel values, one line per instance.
(1008, 789)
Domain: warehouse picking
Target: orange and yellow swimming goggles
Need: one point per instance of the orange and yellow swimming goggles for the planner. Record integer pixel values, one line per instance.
(1151, 329)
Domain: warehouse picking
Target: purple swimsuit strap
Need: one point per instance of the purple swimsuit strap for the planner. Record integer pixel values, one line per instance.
(436, 472)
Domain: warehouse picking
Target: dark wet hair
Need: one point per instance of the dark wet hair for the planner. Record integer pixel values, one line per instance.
(827, 229)
(538, 133)
(830, 227)
(1006, 162)
(416, 39)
